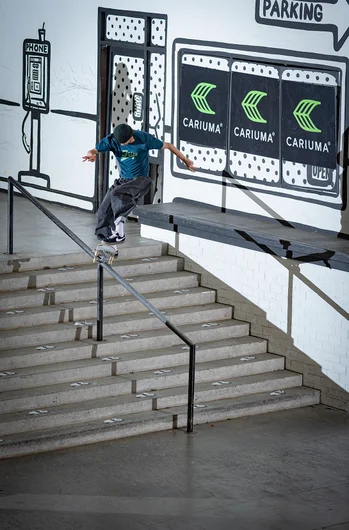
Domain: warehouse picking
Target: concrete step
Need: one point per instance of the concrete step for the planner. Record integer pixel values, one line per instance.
(58, 373)
(164, 300)
(209, 371)
(227, 409)
(54, 314)
(16, 263)
(227, 388)
(138, 361)
(148, 381)
(131, 323)
(114, 345)
(208, 314)
(83, 433)
(145, 283)
(87, 273)
(49, 334)
(152, 421)
(63, 393)
(72, 413)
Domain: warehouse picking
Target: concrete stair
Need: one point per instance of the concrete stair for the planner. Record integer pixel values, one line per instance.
(61, 388)
(87, 291)
(53, 314)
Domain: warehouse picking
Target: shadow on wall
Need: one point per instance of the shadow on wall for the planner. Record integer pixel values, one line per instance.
(122, 95)
(121, 107)
(279, 342)
(282, 343)
(343, 161)
(229, 180)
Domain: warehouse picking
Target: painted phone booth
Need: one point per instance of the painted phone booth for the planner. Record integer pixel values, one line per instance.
(35, 101)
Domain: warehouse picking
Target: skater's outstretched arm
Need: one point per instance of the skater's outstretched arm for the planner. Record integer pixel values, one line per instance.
(175, 151)
(106, 144)
(91, 156)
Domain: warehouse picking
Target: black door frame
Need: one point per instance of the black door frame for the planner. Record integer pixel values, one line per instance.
(106, 50)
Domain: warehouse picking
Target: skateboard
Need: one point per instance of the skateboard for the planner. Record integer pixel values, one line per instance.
(105, 252)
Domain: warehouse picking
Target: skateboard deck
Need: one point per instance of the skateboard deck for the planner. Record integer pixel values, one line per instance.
(105, 252)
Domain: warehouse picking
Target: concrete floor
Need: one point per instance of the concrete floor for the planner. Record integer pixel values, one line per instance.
(282, 471)
(35, 234)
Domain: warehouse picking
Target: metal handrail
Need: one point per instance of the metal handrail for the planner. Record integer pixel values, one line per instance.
(101, 265)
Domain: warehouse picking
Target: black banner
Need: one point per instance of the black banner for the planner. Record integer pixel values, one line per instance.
(255, 114)
(203, 106)
(309, 124)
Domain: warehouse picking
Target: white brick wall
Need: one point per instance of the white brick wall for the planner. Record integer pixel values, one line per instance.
(318, 328)
(301, 308)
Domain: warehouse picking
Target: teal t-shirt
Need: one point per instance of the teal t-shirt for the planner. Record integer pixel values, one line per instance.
(133, 158)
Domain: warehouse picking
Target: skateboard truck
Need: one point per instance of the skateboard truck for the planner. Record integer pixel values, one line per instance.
(105, 253)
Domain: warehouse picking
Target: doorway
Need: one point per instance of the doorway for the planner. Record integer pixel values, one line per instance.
(131, 87)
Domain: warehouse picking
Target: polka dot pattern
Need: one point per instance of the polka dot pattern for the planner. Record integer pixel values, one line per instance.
(206, 61)
(158, 32)
(125, 29)
(156, 97)
(308, 76)
(128, 78)
(254, 167)
(210, 159)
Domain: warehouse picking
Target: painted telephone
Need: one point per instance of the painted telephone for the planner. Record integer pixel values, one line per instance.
(35, 97)
(36, 69)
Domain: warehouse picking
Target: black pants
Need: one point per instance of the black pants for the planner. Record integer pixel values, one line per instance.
(120, 200)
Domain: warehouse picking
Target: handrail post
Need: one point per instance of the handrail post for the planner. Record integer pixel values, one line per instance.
(10, 218)
(191, 388)
(99, 302)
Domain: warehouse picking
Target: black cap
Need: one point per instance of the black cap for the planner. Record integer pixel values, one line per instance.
(122, 133)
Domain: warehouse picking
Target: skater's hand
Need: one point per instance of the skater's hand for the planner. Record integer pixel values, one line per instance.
(184, 159)
(189, 164)
(90, 157)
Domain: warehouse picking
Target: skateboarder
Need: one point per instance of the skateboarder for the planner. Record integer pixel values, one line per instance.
(131, 149)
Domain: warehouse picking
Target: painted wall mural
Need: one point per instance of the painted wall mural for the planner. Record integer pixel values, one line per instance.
(267, 126)
(35, 100)
(308, 16)
(36, 87)
(276, 128)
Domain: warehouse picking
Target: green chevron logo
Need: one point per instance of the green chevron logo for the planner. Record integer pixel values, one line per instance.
(250, 103)
(302, 114)
(199, 96)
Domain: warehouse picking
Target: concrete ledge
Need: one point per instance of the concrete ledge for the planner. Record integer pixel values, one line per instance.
(273, 236)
